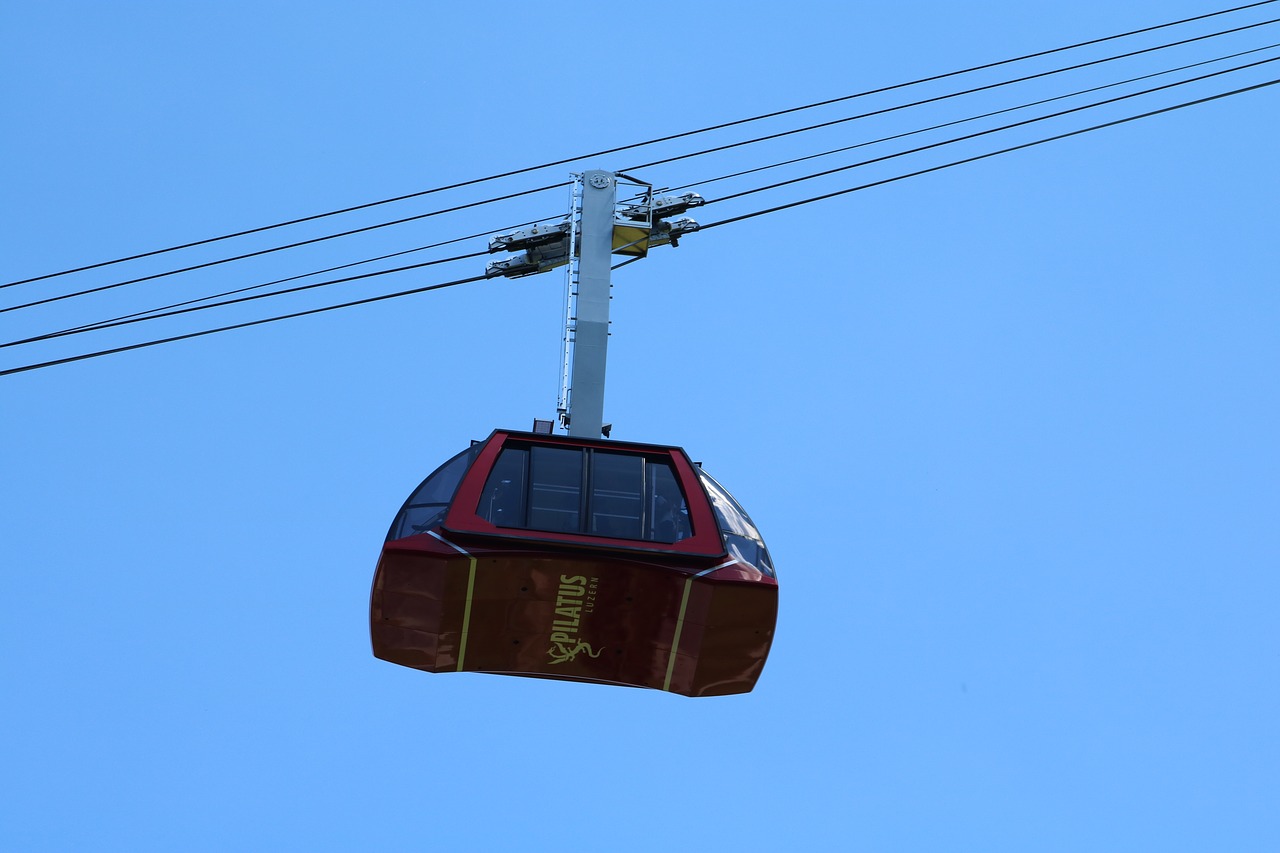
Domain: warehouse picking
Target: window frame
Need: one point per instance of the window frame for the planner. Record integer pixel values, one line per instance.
(601, 491)
(465, 516)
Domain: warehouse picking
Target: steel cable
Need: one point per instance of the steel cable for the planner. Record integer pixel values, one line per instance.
(657, 140)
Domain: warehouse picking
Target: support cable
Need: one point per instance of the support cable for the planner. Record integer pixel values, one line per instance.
(147, 315)
(728, 221)
(268, 251)
(112, 324)
(715, 149)
(987, 87)
(990, 131)
(668, 138)
(988, 155)
(189, 335)
(1028, 105)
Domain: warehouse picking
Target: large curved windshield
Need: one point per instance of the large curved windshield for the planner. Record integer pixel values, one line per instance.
(428, 504)
(741, 537)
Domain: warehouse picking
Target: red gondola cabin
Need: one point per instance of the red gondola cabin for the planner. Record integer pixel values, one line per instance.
(567, 558)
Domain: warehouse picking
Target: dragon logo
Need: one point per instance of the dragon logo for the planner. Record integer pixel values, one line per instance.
(564, 653)
(574, 599)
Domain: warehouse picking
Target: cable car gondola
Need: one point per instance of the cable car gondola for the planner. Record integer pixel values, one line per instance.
(572, 557)
(576, 559)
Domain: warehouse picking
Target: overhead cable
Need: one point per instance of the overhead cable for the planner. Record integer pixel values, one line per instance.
(704, 182)
(987, 87)
(242, 257)
(224, 303)
(722, 222)
(699, 183)
(102, 324)
(668, 138)
(168, 310)
(990, 131)
(986, 156)
(189, 335)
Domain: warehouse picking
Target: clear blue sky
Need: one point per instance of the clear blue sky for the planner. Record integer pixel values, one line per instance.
(1009, 430)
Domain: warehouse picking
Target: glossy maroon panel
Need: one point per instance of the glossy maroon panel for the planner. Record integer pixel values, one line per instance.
(588, 616)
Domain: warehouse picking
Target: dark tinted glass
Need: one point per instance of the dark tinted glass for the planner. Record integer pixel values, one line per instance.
(617, 484)
(503, 499)
(629, 496)
(668, 512)
(426, 507)
(555, 496)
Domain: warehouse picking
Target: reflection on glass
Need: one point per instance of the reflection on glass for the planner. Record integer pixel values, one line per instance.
(428, 504)
(628, 495)
(503, 500)
(741, 537)
(616, 504)
(668, 509)
(555, 496)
